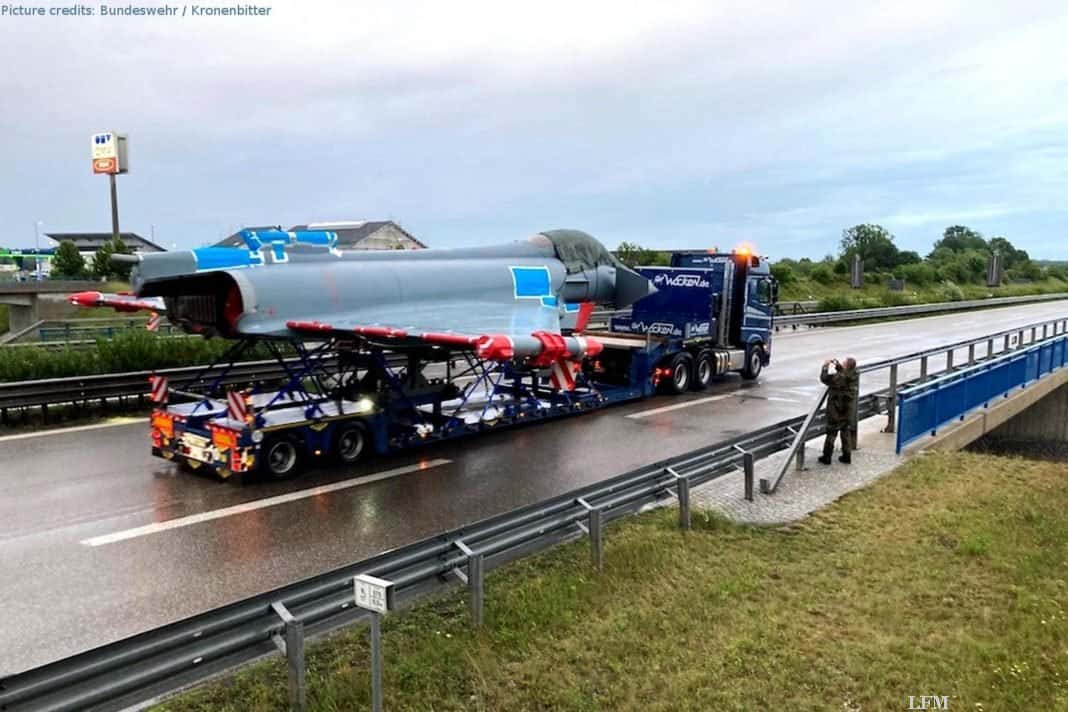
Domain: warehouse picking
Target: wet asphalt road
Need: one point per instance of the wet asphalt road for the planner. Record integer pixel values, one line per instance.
(62, 595)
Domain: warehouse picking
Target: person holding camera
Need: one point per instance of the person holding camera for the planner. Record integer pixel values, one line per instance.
(843, 387)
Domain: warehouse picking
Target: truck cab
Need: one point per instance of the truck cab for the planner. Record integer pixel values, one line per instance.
(713, 313)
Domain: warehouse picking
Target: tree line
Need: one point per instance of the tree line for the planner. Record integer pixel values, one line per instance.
(960, 256)
(68, 263)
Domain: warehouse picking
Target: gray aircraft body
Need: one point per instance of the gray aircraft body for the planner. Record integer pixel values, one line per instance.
(507, 301)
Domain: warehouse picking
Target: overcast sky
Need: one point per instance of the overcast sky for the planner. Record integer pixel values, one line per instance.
(670, 124)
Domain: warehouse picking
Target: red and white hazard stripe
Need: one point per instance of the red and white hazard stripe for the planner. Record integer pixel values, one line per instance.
(562, 374)
(158, 389)
(236, 407)
(153, 322)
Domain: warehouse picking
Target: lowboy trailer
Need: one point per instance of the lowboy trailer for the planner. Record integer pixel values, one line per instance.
(342, 399)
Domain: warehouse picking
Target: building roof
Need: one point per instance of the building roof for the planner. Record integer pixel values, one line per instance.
(95, 240)
(349, 233)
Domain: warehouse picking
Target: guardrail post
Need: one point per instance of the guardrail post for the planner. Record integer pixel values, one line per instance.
(747, 466)
(1006, 346)
(1034, 333)
(475, 579)
(971, 354)
(596, 540)
(685, 522)
(292, 646)
(949, 360)
(376, 661)
(990, 348)
(923, 369)
(891, 414)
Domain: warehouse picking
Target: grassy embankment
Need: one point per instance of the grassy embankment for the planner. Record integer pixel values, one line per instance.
(838, 296)
(947, 577)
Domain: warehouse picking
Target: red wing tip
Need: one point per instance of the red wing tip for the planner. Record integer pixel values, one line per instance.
(85, 299)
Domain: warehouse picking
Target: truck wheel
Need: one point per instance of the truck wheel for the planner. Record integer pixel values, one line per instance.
(680, 370)
(754, 363)
(280, 457)
(704, 369)
(350, 441)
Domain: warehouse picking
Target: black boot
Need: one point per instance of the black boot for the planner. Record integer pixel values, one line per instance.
(845, 459)
(825, 458)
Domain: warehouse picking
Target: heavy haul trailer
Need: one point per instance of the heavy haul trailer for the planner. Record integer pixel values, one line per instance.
(344, 398)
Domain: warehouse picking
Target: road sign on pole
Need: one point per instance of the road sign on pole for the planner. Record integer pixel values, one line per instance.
(108, 153)
(375, 595)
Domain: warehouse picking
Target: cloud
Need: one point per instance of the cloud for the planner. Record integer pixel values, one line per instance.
(670, 124)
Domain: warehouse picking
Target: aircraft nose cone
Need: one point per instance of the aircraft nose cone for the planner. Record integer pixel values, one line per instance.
(630, 287)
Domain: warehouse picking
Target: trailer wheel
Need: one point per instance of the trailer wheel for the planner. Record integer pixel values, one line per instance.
(704, 369)
(350, 441)
(677, 379)
(754, 363)
(280, 457)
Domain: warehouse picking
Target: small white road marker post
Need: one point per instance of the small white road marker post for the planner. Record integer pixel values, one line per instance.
(375, 595)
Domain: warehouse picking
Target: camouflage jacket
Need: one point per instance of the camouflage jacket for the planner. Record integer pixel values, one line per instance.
(843, 387)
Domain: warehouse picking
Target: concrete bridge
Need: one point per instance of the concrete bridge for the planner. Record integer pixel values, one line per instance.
(29, 302)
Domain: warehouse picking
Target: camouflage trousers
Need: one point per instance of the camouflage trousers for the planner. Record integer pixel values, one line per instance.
(846, 434)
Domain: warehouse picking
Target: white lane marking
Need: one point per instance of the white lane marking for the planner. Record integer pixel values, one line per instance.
(687, 404)
(72, 429)
(259, 504)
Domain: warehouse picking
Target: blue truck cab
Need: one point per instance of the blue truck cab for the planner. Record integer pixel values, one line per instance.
(712, 314)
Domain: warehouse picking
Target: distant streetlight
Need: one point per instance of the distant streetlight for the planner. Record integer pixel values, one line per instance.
(37, 247)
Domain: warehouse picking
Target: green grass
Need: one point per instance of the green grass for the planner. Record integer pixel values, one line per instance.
(945, 578)
(839, 296)
(5, 315)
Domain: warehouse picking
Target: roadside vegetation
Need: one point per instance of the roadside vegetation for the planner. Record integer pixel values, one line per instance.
(946, 577)
(133, 350)
(954, 270)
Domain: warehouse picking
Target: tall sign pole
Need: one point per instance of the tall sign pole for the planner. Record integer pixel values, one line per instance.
(109, 156)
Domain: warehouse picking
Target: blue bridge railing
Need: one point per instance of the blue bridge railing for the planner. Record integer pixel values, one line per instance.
(924, 408)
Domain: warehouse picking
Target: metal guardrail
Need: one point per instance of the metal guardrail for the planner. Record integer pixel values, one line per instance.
(925, 407)
(1006, 341)
(174, 656)
(21, 394)
(796, 314)
(909, 310)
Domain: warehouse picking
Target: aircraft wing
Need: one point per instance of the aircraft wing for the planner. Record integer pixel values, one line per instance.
(493, 330)
(458, 321)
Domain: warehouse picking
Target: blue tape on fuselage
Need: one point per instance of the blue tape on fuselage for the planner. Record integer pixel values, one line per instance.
(531, 282)
(225, 257)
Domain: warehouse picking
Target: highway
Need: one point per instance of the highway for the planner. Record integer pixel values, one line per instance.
(99, 540)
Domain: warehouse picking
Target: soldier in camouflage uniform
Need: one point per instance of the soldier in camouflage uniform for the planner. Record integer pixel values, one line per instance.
(843, 387)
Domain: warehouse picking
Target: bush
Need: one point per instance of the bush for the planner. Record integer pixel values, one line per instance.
(950, 292)
(918, 275)
(837, 302)
(840, 267)
(822, 274)
(134, 350)
(784, 273)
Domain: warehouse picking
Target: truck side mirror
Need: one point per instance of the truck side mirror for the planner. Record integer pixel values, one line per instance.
(774, 291)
